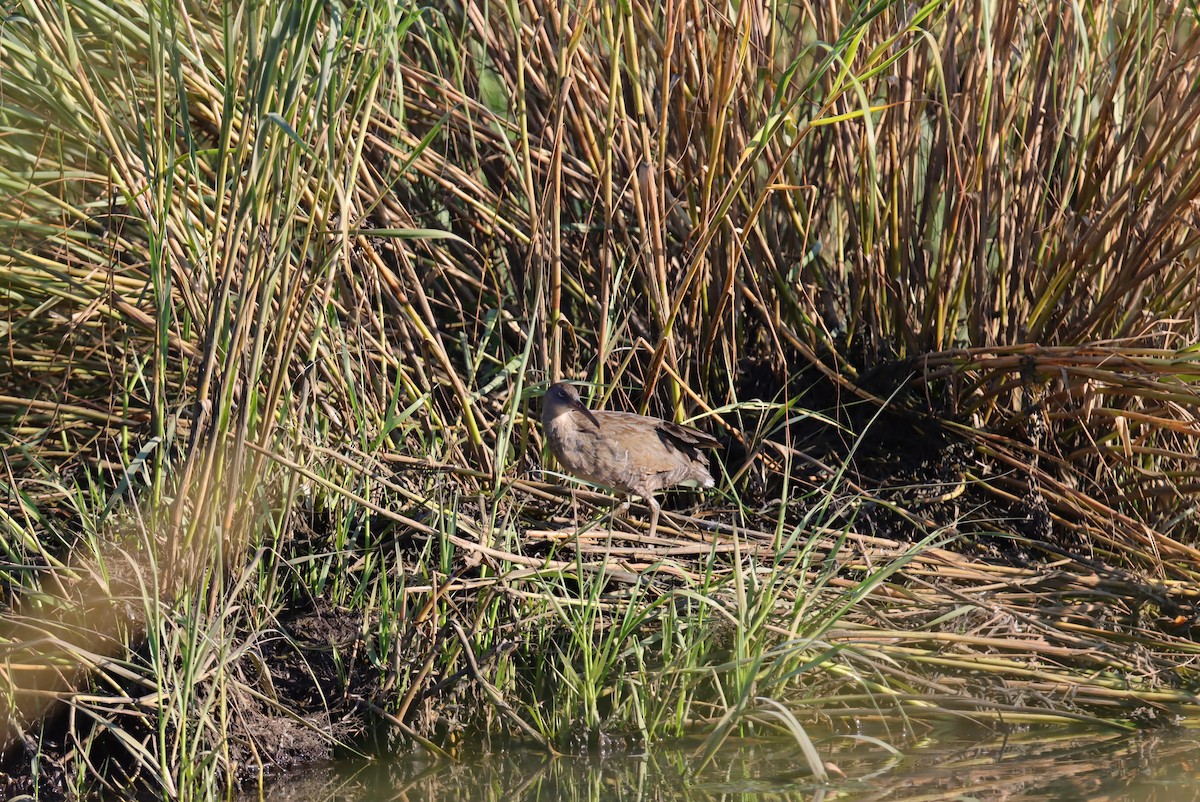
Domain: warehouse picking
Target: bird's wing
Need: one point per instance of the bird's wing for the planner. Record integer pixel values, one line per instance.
(685, 436)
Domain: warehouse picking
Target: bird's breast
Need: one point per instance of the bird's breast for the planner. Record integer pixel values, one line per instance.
(590, 453)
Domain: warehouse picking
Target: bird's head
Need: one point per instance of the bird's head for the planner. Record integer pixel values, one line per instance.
(563, 398)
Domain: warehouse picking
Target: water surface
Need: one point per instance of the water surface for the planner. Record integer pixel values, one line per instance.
(1160, 765)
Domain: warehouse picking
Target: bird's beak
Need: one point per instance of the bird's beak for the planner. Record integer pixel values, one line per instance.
(587, 413)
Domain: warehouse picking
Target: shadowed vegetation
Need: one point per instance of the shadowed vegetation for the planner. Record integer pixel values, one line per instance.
(282, 282)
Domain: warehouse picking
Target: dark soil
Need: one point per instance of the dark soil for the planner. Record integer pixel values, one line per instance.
(314, 672)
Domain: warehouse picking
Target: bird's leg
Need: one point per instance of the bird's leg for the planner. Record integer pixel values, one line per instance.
(654, 510)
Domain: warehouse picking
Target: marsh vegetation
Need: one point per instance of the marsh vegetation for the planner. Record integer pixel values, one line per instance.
(281, 284)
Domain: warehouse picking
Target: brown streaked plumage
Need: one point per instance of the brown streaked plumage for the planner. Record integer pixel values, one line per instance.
(633, 454)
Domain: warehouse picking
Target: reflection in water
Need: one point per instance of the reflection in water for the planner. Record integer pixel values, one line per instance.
(1160, 766)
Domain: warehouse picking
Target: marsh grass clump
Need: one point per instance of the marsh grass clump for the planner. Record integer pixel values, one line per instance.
(281, 285)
